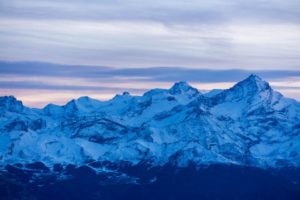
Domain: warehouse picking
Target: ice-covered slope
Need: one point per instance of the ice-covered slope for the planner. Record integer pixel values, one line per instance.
(248, 124)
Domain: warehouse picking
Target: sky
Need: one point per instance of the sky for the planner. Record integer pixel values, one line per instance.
(56, 50)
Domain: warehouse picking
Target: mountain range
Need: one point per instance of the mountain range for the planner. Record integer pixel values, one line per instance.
(248, 124)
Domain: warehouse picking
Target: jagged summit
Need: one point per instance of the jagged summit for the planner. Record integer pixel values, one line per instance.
(10, 103)
(254, 82)
(251, 87)
(182, 87)
(125, 96)
(5, 99)
(126, 93)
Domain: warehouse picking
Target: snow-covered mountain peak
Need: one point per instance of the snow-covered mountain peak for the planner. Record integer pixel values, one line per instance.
(247, 96)
(86, 101)
(81, 105)
(11, 104)
(254, 83)
(254, 77)
(253, 88)
(124, 97)
(182, 87)
(126, 93)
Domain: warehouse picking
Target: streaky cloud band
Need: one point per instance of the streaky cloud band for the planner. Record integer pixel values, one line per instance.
(162, 74)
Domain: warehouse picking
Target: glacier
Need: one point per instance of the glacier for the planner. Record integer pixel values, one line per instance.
(249, 124)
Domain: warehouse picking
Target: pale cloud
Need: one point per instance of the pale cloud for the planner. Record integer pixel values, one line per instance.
(260, 34)
(136, 44)
(106, 47)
